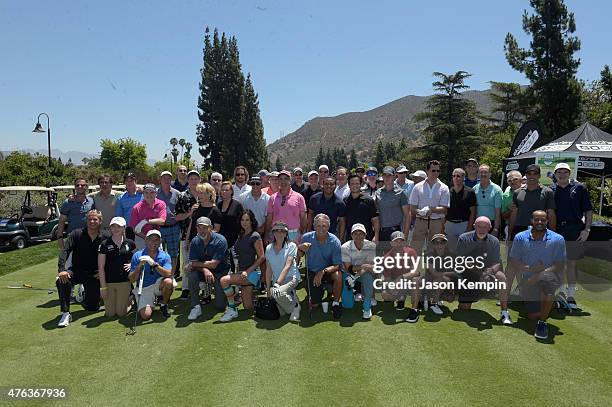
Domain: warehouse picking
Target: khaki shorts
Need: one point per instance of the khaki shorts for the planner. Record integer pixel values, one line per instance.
(150, 293)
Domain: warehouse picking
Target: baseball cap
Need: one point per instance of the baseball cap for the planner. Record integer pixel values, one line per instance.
(154, 232)
(313, 172)
(562, 166)
(397, 235)
(401, 168)
(129, 175)
(358, 226)
(533, 167)
(388, 170)
(380, 179)
(419, 173)
(149, 186)
(471, 160)
(280, 226)
(117, 220)
(284, 172)
(323, 167)
(263, 173)
(297, 169)
(193, 172)
(372, 169)
(165, 173)
(203, 220)
(254, 179)
(439, 236)
(360, 169)
(273, 174)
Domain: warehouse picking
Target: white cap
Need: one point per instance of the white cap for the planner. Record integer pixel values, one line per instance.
(313, 172)
(154, 232)
(165, 173)
(358, 226)
(562, 166)
(117, 220)
(419, 173)
(323, 167)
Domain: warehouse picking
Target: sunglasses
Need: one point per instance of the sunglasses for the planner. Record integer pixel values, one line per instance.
(372, 174)
(182, 170)
(240, 175)
(324, 171)
(299, 174)
(457, 176)
(434, 170)
(81, 186)
(439, 242)
(215, 180)
(255, 183)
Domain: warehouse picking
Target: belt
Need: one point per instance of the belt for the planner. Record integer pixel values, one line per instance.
(456, 220)
(390, 227)
(428, 219)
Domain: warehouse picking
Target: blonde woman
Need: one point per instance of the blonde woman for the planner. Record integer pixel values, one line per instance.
(205, 206)
(114, 257)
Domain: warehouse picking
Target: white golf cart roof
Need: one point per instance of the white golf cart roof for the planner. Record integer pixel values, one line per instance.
(26, 188)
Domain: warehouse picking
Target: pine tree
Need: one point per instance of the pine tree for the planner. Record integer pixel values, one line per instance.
(329, 160)
(353, 163)
(452, 132)
(390, 151)
(402, 146)
(510, 100)
(278, 164)
(550, 65)
(379, 156)
(320, 160)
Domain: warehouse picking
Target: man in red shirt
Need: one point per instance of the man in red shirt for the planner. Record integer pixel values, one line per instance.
(148, 214)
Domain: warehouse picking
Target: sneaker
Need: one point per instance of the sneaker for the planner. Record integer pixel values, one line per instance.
(184, 294)
(400, 305)
(541, 331)
(230, 314)
(358, 297)
(195, 313)
(572, 303)
(505, 318)
(337, 311)
(367, 314)
(65, 320)
(413, 316)
(436, 309)
(295, 314)
(374, 302)
(164, 310)
(158, 300)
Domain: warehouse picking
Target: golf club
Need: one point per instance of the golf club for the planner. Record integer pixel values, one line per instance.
(132, 330)
(29, 287)
(308, 283)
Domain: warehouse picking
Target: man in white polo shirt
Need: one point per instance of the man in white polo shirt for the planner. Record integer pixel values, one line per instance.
(257, 202)
(429, 201)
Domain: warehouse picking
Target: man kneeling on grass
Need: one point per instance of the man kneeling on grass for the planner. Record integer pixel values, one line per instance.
(358, 258)
(83, 245)
(537, 257)
(156, 265)
(208, 262)
(323, 258)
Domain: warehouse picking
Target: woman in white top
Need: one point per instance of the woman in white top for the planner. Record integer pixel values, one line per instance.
(282, 274)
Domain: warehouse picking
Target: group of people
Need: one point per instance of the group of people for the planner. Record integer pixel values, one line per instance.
(225, 240)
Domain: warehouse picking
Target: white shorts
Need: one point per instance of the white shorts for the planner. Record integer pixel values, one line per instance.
(150, 293)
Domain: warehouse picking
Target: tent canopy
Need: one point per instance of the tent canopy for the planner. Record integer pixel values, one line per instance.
(592, 145)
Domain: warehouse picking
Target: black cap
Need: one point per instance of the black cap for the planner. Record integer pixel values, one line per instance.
(533, 167)
(471, 160)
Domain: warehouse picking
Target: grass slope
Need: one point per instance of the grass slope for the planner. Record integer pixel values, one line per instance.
(13, 260)
(461, 359)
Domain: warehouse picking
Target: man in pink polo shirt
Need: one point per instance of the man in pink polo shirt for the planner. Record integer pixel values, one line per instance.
(148, 214)
(288, 206)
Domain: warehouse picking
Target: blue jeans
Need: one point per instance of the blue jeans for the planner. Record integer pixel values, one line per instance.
(367, 288)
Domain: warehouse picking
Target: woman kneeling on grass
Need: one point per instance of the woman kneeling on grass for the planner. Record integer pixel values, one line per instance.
(114, 258)
(250, 252)
(282, 274)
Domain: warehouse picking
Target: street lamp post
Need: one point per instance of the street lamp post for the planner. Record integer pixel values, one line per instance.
(38, 129)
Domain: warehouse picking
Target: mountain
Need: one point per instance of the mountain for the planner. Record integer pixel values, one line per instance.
(360, 130)
(75, 156)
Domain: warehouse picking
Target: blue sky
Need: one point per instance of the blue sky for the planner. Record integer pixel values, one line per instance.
(118, 69)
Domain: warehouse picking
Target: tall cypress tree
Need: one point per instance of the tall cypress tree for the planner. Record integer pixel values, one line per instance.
(230, 132)
(353, 163)
(550, 65)
(320, 158)
(379, 156)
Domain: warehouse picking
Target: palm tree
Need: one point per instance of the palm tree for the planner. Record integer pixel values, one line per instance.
(187, 155)
(182, 144)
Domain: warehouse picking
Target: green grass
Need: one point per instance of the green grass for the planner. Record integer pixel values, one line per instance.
(455, 360)
(13, 260)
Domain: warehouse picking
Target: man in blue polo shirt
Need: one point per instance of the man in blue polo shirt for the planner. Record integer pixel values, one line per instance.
(126, 202)
(537, 257)
(573, 203)
(157, 280)
(74, 211)
(327, 202)
(324, 258)
(208, 262)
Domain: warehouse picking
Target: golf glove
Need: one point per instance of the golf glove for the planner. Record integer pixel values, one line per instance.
(276, 290)
(147, 259)
(351, 279)
(140, 225)
(423, 212)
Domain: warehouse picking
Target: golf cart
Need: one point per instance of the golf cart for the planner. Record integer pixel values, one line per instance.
(35, 220)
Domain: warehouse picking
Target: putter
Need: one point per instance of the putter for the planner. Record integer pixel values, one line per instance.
(132, 330)
(29, 287)
(308, 284)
